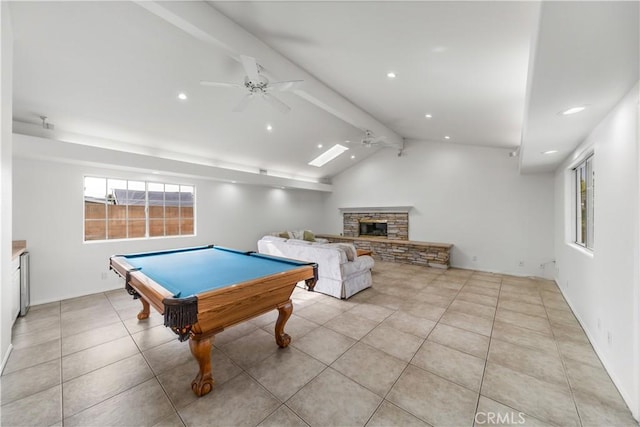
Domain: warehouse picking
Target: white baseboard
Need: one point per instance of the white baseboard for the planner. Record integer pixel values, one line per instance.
(628, 400)
(6, 357)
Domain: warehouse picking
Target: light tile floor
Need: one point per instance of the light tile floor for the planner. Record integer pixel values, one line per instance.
(422, 347)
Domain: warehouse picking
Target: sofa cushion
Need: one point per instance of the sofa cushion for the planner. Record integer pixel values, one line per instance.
(271, 238)
(284, 234)
(308, 236)
(298, 242)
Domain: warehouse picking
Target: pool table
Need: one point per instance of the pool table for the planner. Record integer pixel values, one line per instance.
(203, 290)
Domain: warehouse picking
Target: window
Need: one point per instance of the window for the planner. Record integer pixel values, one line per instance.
(122, 209)
(584, 196)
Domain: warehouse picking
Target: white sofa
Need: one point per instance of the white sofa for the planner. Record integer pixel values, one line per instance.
(337, 275)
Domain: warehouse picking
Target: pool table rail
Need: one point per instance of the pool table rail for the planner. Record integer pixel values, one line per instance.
(138, 284)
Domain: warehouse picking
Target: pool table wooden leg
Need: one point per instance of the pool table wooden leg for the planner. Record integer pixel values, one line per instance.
(284, 312)
(144, 313)
(201, 351)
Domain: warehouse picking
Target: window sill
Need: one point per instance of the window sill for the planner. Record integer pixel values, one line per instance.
(581, 249)
(137, 239)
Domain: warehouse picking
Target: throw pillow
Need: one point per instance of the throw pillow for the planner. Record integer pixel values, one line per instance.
(349, 250)
(283, 234)
(308, 236)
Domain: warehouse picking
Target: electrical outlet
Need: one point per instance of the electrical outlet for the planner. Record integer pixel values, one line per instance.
(103, 275)
(521, 264)
(609, 337)
(474, 258)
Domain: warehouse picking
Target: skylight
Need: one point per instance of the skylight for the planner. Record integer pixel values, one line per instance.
(573, 110)
(328, 155)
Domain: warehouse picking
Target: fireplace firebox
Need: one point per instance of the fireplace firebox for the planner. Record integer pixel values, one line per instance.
(372, 227)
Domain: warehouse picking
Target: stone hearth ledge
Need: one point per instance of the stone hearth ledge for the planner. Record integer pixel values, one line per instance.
(401, 251)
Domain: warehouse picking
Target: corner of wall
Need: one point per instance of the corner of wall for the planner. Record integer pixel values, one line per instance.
(6, 112)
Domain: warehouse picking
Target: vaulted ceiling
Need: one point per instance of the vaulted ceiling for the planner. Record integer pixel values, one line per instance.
(489, 73)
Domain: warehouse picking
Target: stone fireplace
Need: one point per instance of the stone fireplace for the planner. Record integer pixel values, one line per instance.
(363, 227)
(389, 223)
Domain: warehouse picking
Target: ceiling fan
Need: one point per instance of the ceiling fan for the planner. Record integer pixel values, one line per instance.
(258, 86)
(369, 140)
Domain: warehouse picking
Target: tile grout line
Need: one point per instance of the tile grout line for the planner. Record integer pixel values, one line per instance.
(109, 364)
(527, 374)
(384, 398)
(562, 360)
(486, 360)
(155, 375)
(61, 378)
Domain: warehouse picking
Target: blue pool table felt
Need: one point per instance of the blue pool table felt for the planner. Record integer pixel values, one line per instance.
(189, 272)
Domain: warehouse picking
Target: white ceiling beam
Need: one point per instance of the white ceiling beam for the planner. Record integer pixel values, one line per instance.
(206, 24)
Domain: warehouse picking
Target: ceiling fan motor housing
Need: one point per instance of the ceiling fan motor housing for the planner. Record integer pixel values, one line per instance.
(257, 87)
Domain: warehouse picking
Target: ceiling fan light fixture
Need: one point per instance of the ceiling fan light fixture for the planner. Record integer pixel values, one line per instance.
(328, 155)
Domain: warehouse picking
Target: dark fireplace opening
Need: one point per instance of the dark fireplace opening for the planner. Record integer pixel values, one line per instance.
(373, 228)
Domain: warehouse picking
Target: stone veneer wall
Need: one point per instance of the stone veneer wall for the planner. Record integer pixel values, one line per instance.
(401, 251)
(397, 223)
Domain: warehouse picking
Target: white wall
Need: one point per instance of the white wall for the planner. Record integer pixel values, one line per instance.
(603, 287)
(48, 213)
(470, 196)
(6, 82)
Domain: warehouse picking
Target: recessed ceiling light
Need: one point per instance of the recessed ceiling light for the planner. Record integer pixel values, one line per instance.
(573, 110)
(347, 141)
(155, 172)
(550, 152)
(328, 155)
(269, 128)
(428, 116)
(391, 75)
(233, 182)
(319, 145)
(447, 137)
(353, 156)
(182, 96)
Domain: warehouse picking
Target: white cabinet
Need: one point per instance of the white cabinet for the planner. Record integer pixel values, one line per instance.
(15, 289)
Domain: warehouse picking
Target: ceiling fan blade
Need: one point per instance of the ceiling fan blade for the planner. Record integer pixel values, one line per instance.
(276, 103)
(219, 84)
(285, 86)
(243, 103)
(251, 68)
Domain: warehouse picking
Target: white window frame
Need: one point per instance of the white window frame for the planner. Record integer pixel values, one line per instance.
(146, 210)
(584, 232)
